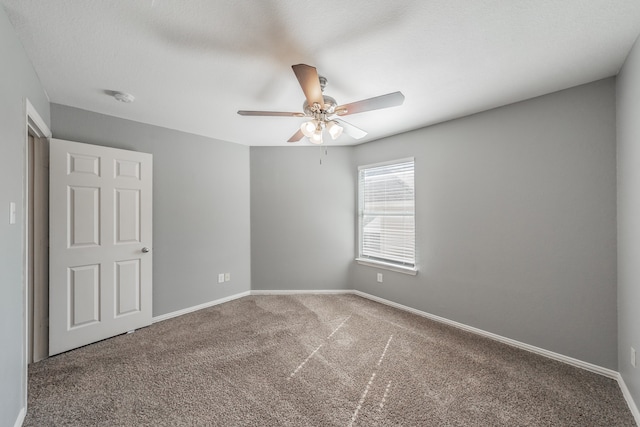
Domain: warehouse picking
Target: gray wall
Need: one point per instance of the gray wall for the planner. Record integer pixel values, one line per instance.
(200, 205)
(302, 234)
(516, 217)
(18, 81)
(516, 222)
(628, 115)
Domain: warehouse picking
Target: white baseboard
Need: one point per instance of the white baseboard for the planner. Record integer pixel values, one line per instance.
(288, 292)
(627, 396)
(177, 313)
(21, 416)
(550, 354)
(609, 373)
(198, 307)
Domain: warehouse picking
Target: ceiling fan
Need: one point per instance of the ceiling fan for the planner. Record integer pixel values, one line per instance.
(324, 110)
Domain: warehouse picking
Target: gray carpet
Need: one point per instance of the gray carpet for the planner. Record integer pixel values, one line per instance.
(313, 360)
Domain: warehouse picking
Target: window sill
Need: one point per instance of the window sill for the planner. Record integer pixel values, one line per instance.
(388, 266)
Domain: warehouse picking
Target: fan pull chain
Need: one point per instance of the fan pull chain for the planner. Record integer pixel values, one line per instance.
(326, 152)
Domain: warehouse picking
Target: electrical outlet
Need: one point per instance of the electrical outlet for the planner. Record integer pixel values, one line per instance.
(379, 277)
(221, 278)
(633, 357)
(227, 277)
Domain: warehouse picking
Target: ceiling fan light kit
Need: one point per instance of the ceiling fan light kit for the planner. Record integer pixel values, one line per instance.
(316, 138)
(324, 111)
(335, 130)
(310, 127)
(313, 130)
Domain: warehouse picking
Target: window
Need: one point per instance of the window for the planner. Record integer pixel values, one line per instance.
(386, 215)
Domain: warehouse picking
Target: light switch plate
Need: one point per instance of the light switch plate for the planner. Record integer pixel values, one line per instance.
(221, 278)
(12, 213)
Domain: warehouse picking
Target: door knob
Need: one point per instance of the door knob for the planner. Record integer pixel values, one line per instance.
(145, 250)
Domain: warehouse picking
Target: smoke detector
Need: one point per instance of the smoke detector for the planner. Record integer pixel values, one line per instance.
(127, 98)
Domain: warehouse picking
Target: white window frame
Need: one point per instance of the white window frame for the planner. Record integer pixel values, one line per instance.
(406, 268)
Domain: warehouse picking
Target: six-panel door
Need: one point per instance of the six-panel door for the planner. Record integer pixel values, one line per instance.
(100, 243)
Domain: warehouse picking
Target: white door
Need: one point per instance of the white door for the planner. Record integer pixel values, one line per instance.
(100, 243)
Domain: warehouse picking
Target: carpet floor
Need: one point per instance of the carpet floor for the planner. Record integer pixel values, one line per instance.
(313, 360)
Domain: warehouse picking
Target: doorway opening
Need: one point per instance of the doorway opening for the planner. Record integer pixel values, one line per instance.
(36, 268)
(38, 248)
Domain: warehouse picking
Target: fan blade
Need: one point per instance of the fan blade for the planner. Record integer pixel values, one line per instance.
(375, 103)
(309, 82)
(351, 130)
(269, 113)
(296, 136)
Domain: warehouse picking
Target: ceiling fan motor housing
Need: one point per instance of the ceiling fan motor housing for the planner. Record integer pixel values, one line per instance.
(316, 110)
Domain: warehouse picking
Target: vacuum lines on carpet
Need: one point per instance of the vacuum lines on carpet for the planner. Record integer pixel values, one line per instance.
(314, 360)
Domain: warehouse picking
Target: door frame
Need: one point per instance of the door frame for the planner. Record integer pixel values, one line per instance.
(34, 125)
(38, 253)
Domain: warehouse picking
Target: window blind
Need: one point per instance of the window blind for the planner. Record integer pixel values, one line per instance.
(387, 213)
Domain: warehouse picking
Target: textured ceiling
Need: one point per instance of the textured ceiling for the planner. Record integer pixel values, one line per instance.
(192, 64)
